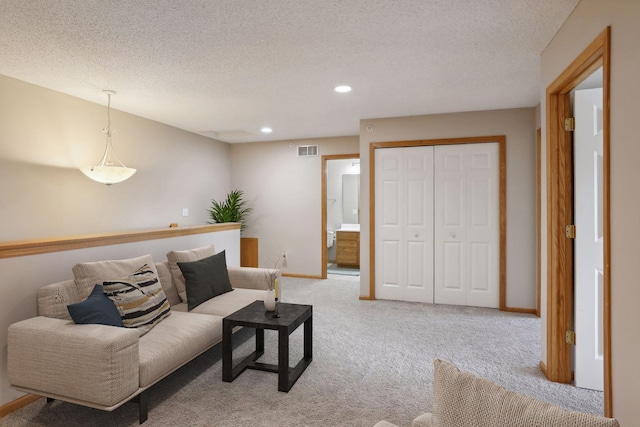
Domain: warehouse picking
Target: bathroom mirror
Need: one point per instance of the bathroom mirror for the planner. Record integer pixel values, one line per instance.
(351, 199)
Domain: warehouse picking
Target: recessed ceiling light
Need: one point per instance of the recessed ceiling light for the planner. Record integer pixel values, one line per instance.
(266, 130)
(342, 89)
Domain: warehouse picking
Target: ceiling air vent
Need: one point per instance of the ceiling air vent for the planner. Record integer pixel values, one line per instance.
(307, 150)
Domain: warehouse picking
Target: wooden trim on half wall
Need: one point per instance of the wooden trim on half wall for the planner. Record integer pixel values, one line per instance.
(502, 154)
(43, 246)
(559, 214)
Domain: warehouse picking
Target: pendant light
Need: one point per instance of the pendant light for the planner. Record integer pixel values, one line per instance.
(110, 170)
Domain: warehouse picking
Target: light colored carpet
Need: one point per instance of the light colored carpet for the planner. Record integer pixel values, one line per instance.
(372, 360)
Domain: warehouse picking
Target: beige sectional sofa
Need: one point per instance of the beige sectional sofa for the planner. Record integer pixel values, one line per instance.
(105, 366)
(461, 399)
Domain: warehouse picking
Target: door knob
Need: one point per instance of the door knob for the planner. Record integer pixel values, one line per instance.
(415, 235)
(453, 235)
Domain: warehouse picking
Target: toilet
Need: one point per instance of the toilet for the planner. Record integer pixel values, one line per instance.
(331, 238)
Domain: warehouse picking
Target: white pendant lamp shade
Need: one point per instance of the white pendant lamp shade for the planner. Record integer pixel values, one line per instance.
(110, 170)
(108, 174)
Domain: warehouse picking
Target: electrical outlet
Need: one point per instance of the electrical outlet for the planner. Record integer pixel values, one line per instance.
(284, 255)
(185, 212)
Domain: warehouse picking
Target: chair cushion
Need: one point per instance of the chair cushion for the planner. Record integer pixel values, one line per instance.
(174, 257)
(462, 399)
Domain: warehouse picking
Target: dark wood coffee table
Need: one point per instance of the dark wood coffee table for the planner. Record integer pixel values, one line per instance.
(255, 316)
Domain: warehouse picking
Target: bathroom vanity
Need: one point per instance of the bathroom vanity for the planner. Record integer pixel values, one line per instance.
(348, 247)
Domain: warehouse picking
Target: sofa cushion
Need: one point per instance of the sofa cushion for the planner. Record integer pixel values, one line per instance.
(96, 309)
(205, 279)
(174, 257)
(89, 274)
(53, 299)
(164, 274)
(225, 304)
(139, 298)
(462, 399)
(174, 342)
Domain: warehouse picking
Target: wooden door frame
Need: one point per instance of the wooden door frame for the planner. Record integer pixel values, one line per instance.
(539, 218)
(560, 213)
(324, 204)
(502, 200)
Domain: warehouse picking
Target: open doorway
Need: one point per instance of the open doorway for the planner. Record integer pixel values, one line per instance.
(341, 214)
(560, 216)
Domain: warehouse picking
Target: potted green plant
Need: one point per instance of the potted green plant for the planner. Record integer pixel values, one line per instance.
(232, 209)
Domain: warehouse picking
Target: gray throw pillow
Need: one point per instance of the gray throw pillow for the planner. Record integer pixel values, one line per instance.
(205, 279)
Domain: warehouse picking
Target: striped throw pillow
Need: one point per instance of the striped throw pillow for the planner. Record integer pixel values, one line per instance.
(139, 298)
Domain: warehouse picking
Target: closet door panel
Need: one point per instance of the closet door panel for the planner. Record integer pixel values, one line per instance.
(483, 225)
(404, 196)
(418, 230)
(450, 225)
(389, 224)
(479, 263)
(390, 270)
(467, 219)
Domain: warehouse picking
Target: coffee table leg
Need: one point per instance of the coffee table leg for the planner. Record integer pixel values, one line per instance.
(283, 359)
(259, 343)
(308, 338)
(227, 351)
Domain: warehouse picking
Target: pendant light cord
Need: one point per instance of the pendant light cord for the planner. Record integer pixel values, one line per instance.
(108, 115)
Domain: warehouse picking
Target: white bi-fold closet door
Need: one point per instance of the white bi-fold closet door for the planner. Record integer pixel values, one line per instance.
(404, 223)
(437, 224)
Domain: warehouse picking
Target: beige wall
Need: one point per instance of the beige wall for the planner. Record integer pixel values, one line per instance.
(285, 194)
(588, 19)
(519, 127)
(45, 136)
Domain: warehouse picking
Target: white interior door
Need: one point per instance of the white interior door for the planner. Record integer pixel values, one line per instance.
(404, 223)
(467, 233)
(588, 247)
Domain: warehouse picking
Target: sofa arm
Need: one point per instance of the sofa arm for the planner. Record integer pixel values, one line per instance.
(91, 363)
(423, 420)
(251, 278)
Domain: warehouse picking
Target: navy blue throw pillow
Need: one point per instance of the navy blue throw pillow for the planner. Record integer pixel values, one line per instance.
(96, 309)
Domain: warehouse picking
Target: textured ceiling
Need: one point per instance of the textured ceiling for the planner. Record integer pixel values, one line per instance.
(226, 68)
